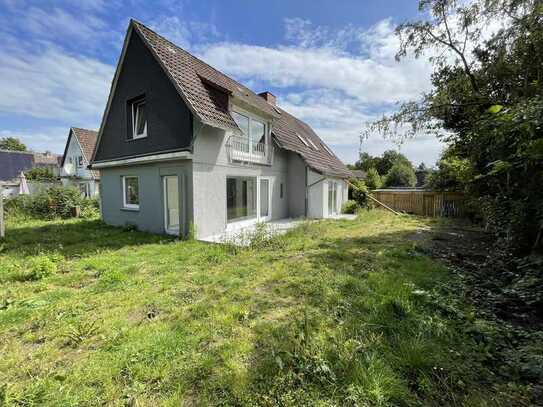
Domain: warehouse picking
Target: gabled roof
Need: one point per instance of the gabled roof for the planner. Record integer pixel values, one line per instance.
(87, 141)
(206, 91)
(12, 163)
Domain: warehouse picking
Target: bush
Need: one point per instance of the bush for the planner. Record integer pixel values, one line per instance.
(373, 179)
(349, 207)
(52, 202)
(360, 193)
(40, 174)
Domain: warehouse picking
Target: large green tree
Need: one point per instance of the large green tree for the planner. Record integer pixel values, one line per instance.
(486, 103)
(12, 144)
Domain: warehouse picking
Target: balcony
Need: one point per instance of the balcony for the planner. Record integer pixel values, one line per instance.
(242, 149)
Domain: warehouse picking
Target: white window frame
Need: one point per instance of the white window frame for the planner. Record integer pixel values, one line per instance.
(302, 139)
(127, 205)
(79, 161)
(252, 117)
(270, 180)
(134, 106)
(313, 144)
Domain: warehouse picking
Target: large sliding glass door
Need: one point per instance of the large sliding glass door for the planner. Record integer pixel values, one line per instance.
(240, 198)
(248, 198)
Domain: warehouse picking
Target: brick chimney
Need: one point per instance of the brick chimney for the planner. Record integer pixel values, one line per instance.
(269, 97)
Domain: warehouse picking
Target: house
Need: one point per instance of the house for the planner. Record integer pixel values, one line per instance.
(182, 146)
(12, 163)
(76, 159)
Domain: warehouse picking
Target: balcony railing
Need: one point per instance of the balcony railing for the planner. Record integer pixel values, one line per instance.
(244, 150)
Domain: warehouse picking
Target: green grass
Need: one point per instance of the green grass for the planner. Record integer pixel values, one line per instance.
(334, 313)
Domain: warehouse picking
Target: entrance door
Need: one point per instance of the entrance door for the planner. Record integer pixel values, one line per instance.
(265, 199)
(171, 205)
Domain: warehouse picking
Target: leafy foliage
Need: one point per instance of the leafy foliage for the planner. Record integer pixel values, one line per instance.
(401, 174)
(55, 201)
(350, 207)
(487, 104)
(12, 144)
(452, 174)
(373, 179)
(360, 193)
(41, 174)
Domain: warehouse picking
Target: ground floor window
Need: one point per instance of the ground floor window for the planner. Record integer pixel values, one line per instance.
(131, 192)
(240, 198)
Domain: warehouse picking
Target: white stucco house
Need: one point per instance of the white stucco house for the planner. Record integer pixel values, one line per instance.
(74, 169)
(182, 147)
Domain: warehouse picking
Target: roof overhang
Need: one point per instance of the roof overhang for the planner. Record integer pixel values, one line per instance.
(179, 155)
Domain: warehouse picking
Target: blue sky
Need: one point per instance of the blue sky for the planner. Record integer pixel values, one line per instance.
(331, 63)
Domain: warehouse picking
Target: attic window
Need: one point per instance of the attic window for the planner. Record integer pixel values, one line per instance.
(328, 150)
(138, 118)
(312, 144)
(302, 140)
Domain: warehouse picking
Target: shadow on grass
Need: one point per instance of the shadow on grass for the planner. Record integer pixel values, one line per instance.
(73, 238)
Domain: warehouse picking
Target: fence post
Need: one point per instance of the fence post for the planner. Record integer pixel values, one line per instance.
(2, 227)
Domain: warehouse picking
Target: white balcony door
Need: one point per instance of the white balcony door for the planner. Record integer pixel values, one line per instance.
(171, 205)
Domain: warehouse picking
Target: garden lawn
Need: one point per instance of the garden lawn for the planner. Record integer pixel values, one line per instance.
(333, 313)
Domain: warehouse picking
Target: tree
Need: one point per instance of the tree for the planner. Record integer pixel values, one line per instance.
(12, 144)
(423, 173)
(486, 103)
(366, 162)
(401, 175)
(373, 179)
(388, 159)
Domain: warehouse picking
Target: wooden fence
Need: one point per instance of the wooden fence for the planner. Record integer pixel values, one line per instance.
(425, 203)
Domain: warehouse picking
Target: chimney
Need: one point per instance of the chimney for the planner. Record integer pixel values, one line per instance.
(269, 97)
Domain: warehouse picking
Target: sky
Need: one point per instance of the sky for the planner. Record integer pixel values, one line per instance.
(329, 62)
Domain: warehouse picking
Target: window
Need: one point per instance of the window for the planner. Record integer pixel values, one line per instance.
(131, 192)
(281, 191)
(302, 140)
(327, 150)
(139, 119)
(79, 161)
(312, 144)
(253, 129)
(240, 198)
(332, 198)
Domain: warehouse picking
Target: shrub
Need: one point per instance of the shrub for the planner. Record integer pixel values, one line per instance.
(360, 193)
(40, 174)
(373, 179)
(52, 202)
(349, 207)
(40, 267)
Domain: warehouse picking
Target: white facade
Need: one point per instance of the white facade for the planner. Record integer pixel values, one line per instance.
(75, 173)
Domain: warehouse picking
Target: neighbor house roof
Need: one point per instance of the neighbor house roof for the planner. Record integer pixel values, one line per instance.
(12, 163)
(87, 140)
(359, 174)
(207, 90)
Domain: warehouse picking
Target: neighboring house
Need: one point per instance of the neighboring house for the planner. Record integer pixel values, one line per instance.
(75, 161)
(12, 163)
(182, 144)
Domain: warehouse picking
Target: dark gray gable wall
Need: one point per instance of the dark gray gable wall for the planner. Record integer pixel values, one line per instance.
(169, 121)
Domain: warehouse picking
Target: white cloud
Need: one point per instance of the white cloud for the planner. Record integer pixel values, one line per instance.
(46, 139)
(53, 85)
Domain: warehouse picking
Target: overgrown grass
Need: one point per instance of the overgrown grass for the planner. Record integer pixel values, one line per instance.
(334, 313)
